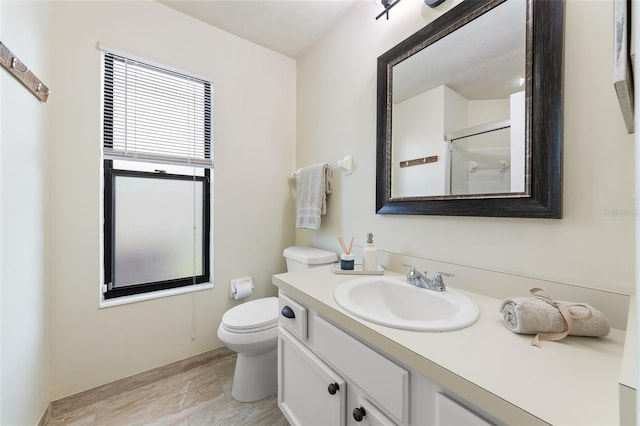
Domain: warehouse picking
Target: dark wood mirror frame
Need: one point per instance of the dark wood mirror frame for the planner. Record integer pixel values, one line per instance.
(543, 121)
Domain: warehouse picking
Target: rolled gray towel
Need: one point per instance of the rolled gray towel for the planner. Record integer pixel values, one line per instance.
(531, 315)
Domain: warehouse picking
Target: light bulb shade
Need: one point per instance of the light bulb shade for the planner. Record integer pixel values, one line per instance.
(433, 3)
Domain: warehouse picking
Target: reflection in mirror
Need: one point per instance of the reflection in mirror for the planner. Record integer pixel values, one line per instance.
(480, 163)
(472, 77)
(469, 113)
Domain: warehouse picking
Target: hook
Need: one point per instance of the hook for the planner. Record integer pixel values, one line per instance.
(39, 89)
(14, 62)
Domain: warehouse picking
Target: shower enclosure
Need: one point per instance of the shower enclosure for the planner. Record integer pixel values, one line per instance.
(480, 160)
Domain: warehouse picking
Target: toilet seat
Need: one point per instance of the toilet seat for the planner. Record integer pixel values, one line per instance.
(253, 316)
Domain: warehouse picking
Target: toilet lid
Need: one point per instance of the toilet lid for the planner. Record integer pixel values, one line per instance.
(254, 315)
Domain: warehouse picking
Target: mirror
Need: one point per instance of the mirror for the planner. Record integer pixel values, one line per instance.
(470, 113)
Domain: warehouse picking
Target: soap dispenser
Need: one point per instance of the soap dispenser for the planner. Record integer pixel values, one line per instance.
(369, 255)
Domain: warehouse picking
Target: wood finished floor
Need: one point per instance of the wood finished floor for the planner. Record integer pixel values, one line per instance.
(196, 391)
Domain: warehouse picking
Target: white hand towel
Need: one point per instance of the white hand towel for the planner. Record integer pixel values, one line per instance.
(314, 184)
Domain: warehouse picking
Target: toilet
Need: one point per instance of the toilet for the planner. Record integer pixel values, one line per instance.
(251, 330)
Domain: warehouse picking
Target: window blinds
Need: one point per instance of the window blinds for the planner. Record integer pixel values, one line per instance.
(155, 115)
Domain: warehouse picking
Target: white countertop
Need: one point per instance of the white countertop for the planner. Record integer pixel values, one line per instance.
(629, 370)
(571, 382)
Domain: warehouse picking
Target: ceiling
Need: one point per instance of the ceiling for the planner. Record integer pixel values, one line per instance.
(291, 27)
(485, 59)
(286, 26)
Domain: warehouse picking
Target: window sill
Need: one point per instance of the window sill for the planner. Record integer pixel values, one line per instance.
(125, 300)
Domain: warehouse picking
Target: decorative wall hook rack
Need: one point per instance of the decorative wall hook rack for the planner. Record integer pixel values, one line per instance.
(418, 161)
(20, 71)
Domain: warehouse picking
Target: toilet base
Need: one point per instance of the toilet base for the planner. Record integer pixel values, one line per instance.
(256, 376)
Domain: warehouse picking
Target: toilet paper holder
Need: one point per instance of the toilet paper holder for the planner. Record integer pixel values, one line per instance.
(240, 288)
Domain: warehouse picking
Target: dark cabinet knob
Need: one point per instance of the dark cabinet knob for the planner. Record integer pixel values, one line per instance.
(288, 312)
(358, 414)
(333, 388)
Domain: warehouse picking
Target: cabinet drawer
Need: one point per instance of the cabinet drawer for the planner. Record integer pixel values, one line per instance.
(385, 383)
(293, 316)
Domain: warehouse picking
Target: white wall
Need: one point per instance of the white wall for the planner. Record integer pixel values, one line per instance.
(254, 144)
(24, 142)
(486, 111)
(592, 246)
(418, 130)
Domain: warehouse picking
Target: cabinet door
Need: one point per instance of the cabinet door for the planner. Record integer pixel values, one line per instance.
(309, 392)
(450, 413)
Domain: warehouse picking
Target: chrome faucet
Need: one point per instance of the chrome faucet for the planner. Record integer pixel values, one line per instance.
(420, 280)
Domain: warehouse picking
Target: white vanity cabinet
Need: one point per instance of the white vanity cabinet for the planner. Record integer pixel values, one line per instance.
(449, 412)
(323, 374)
(328, 377)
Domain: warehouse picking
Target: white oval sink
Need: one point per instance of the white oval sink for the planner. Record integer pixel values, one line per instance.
(391, 301)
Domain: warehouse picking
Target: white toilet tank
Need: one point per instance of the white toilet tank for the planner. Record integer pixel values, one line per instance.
(303, 257)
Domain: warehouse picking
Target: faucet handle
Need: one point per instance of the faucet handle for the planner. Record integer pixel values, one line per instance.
(413, 274)
(438, 281)
(412, 270)
(411, 267)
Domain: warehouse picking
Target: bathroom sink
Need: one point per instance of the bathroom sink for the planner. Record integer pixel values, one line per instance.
(392, 302)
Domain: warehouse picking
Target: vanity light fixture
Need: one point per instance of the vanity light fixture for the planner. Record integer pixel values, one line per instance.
(433, 3)
(388, 4)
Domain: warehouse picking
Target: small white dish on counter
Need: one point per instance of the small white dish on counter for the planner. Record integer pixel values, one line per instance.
(357, 270)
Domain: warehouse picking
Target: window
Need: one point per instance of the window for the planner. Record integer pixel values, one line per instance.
(157, 137)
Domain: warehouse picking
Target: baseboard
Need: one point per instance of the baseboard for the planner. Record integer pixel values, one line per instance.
(46, 417)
